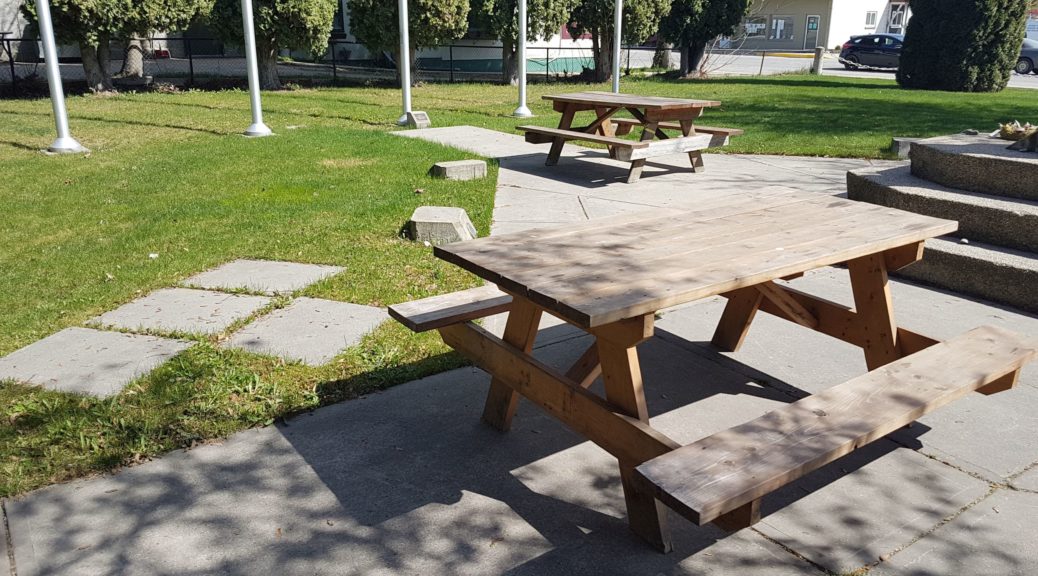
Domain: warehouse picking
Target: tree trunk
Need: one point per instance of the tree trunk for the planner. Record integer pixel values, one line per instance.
(692, 56)
(267, 61)
(133, 59)
(509, 64)
(95, 65)
(661, 58)
(413, 59)
(602, 49)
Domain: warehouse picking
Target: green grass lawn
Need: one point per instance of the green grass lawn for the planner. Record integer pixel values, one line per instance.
(169, 175)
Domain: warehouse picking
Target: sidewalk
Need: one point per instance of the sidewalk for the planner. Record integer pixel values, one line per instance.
(408, 481)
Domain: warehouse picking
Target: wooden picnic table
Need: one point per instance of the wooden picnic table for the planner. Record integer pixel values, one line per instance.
(653, 114)
(610, 276)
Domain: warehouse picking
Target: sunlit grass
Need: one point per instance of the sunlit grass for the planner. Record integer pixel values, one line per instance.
(169, 174)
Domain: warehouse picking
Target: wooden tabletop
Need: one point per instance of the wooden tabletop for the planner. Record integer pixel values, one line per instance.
(631, 100)
(610, 269)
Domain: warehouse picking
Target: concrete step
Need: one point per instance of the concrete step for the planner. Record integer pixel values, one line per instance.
(998, 274)
(1012, 223)
(978, 164)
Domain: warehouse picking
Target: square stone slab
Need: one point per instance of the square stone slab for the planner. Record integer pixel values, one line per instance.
(309, 329)
(88, 361)
(865, 506)
(266, 276)
(183, 310)
(995, 536)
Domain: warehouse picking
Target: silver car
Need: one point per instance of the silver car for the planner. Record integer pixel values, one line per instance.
(1028, 61)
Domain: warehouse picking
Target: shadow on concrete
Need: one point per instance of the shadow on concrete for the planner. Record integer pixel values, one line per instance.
(408, 481)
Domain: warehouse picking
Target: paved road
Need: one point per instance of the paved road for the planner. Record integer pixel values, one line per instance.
(731, 65)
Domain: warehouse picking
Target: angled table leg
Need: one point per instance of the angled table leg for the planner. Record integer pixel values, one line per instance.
(695, 157)
(556, 145)
(648, 133)
(875, 311)
(738, 315)
(622, 376)
(520, 331)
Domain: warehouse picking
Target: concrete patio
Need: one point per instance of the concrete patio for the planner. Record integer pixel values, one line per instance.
(408, 481)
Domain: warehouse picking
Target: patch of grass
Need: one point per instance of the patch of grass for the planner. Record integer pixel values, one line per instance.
(169, 174)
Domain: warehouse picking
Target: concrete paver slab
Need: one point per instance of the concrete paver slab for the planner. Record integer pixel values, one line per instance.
(376, 486)
(310, 330)
(85, 361)
(183, 310)
(889, 497)
(1027, 481)
(264, 276)
(997, 536)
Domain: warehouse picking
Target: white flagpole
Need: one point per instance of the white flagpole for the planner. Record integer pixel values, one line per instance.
(523, 111)
(257, 128)
(65, 143)
(618, 24)
(405, 62)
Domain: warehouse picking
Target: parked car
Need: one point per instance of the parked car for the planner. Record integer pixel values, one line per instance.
(876, 50)
(1028, 61)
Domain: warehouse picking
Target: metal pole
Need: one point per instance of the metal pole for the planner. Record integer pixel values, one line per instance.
(257, 128)
(65, 143)
(404, 62)
(617, 35)
(763, 53)
(335, 71)
(190, 62)
(10, 61)
(523, 111)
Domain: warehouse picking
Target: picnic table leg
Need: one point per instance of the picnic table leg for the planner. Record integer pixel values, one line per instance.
(695, 157)
(875, 311)
(606, 128)
(738, 315)
(648, 133)
(520, 331)
(556, 145)
(622, 377)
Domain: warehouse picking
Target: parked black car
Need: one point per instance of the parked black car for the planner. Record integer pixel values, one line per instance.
(1028, 61)
(877, 50)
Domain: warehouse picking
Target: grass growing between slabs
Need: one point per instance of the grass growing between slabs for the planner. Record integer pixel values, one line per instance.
(169, 175)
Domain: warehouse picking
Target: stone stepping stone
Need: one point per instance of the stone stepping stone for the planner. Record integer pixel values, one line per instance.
(86, 361)
(182, 310)
(309, 329)
(264, 276)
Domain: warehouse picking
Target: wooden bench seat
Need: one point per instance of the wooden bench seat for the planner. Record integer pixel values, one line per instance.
(722, 478)
(625, 125)
(447, 309)
(544, 135)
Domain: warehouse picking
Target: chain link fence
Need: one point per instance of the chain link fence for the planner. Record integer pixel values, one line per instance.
(209, 63)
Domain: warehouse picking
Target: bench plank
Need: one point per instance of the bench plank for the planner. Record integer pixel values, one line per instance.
(541, 135)
(447, 309)
(665, 147)
(624, 126)
(708, 478)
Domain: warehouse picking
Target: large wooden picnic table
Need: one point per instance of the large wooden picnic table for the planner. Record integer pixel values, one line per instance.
(610, 276)
(652, 113)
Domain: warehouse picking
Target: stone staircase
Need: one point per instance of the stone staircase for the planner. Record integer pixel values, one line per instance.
(993, 194)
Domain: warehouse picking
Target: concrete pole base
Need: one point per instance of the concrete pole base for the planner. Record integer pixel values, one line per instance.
(66, 146)
(258, 130)
(522, 112)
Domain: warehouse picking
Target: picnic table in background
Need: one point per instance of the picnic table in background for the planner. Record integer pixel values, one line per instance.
(653, 114)
(610, 276)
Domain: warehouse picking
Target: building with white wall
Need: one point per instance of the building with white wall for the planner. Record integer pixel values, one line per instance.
(805, 24)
